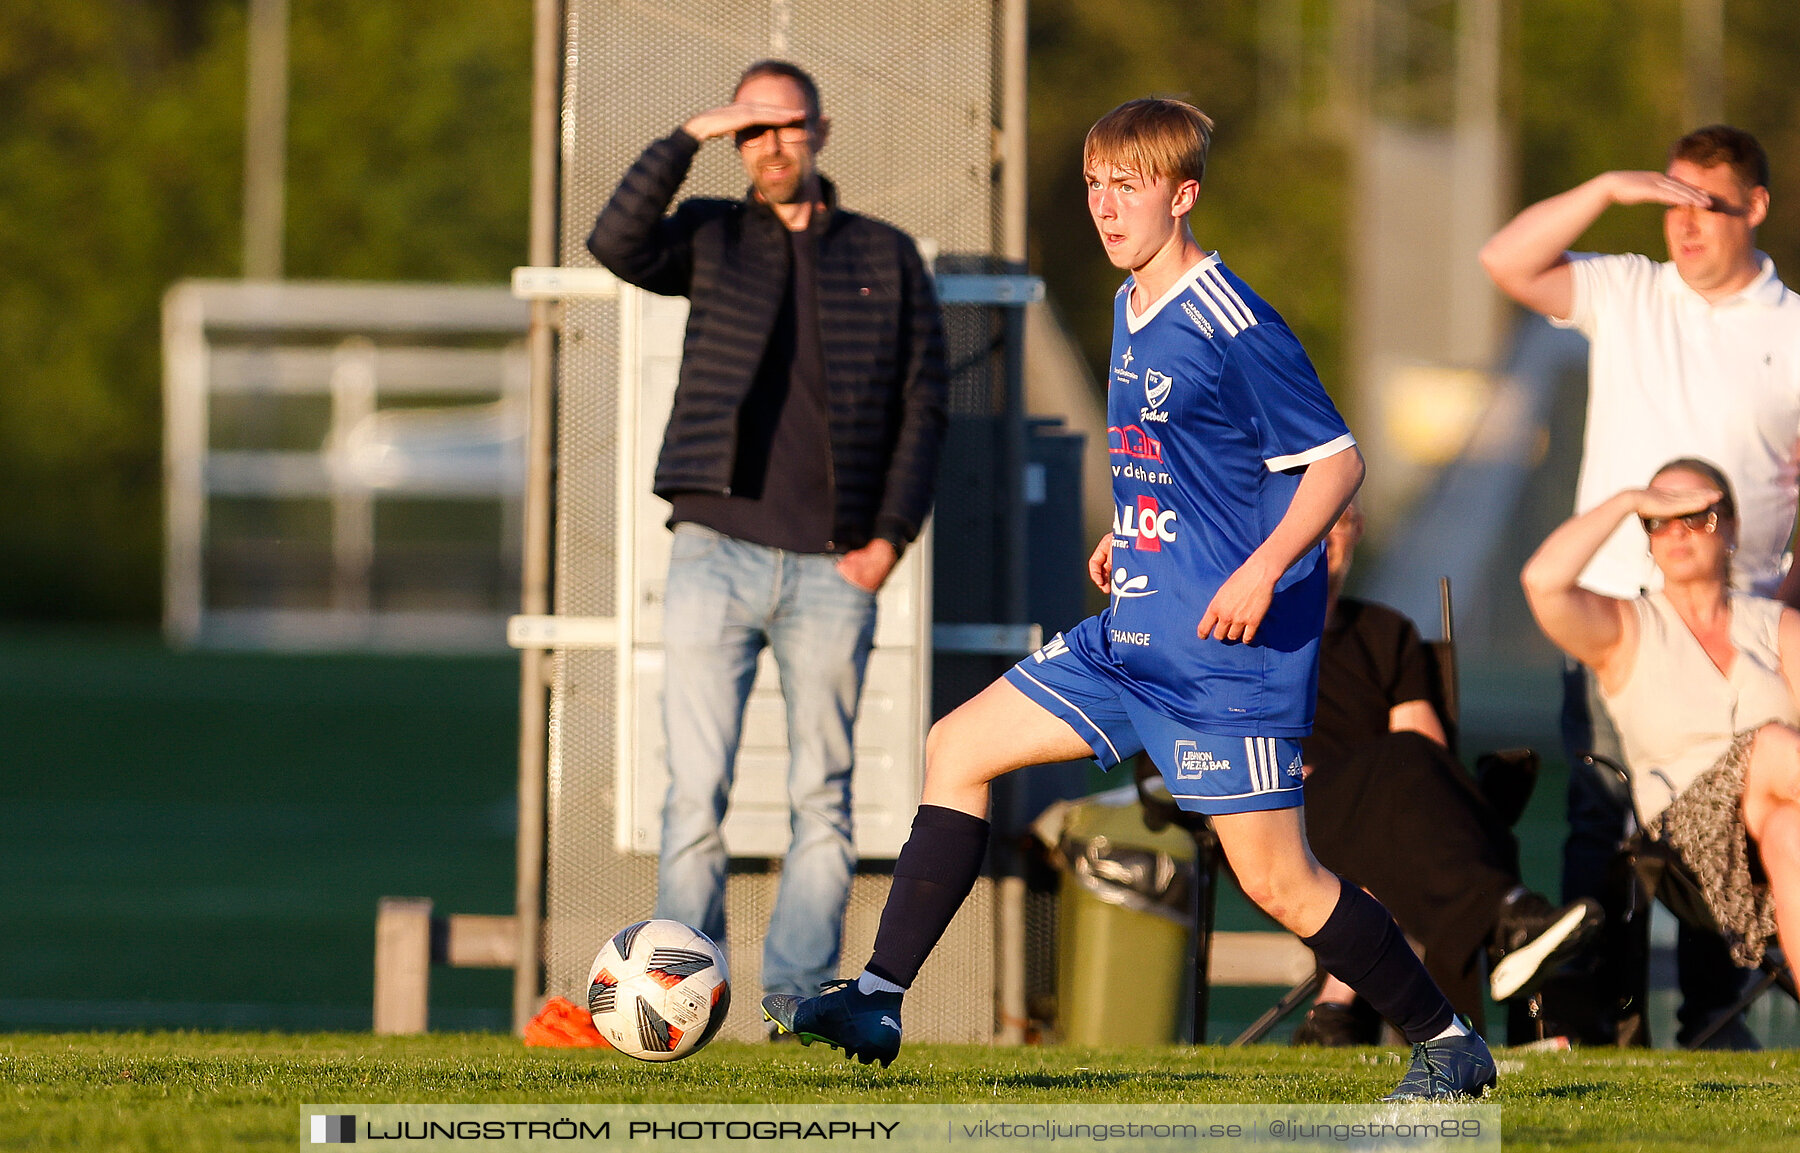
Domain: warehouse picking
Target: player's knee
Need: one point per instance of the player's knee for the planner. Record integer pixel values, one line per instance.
(1269, 889)
(1283, 892)
(937, 740)
(946, 759)
(1279, 905)
(1258, 889)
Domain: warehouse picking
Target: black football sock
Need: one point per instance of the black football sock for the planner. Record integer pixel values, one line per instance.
(937, 868)
(1361, 946)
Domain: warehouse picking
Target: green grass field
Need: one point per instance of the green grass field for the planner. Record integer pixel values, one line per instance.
(198, 840)
(193, 1091)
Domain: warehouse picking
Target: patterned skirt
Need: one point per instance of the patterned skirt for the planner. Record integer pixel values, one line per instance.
(1705, 825)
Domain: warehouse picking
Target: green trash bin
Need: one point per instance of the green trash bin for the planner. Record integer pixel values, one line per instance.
(1124, 918)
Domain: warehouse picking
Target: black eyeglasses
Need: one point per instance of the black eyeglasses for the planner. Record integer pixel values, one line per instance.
(786, 133)
(1706, 520)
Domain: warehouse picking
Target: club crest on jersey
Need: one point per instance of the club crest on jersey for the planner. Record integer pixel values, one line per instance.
(1156, 391)
(1193, 762)
(1147, 526)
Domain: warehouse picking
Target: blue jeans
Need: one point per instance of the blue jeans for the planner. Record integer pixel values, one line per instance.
(1598, 804)
(726, 599)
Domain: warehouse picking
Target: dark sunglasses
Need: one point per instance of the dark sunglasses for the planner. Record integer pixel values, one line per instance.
(786, 133)
(1706, 520)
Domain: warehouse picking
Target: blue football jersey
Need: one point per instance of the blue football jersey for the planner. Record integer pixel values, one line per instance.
(1213, 410)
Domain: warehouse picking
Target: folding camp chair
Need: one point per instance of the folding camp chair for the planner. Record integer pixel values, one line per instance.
(1655, 872)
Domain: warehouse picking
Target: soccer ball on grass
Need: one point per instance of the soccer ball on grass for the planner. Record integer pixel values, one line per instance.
(659, 990)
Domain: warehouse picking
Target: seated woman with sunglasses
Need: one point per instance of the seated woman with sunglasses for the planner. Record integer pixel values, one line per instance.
(1703, 683)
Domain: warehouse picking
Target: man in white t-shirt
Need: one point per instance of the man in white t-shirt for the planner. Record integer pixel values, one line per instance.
(1698, 357)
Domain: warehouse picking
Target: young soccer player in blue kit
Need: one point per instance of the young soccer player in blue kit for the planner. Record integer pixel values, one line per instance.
(1230, 464)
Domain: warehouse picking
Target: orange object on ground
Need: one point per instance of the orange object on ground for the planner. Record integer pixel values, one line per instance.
(562, 1024)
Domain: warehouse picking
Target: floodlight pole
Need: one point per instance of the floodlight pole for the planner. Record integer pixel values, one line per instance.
(265, 138)
(1014, 28)
(1010, 938)
(534, 591)
(1476, 210)
(1703, 54)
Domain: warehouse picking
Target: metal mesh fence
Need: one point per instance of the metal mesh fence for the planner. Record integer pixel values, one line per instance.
(909, 91)
(587, 520)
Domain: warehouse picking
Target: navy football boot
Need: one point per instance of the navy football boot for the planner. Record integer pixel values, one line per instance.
(865, 1026)
(1451, 1069)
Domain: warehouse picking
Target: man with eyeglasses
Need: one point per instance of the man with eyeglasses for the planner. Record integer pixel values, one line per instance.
(800, 460)
(1696, 357)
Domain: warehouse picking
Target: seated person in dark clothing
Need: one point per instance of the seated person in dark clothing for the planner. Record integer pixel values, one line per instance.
(1389, 808)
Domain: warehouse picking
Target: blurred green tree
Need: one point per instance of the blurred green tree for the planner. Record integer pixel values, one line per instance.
(121, 150)
(121, 153)
(1273, 198)
(1598, 86)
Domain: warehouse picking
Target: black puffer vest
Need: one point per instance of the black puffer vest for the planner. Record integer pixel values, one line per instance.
(879, 325)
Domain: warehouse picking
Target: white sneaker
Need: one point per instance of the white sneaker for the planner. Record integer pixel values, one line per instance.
(1572, 926)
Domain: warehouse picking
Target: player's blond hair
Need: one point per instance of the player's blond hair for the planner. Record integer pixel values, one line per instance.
(1156, 136)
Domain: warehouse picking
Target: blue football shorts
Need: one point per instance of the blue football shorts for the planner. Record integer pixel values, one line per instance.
(1210, 773)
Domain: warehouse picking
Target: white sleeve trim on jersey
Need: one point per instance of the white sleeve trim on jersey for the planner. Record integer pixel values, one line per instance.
(1298, 459)
(1223, 300)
